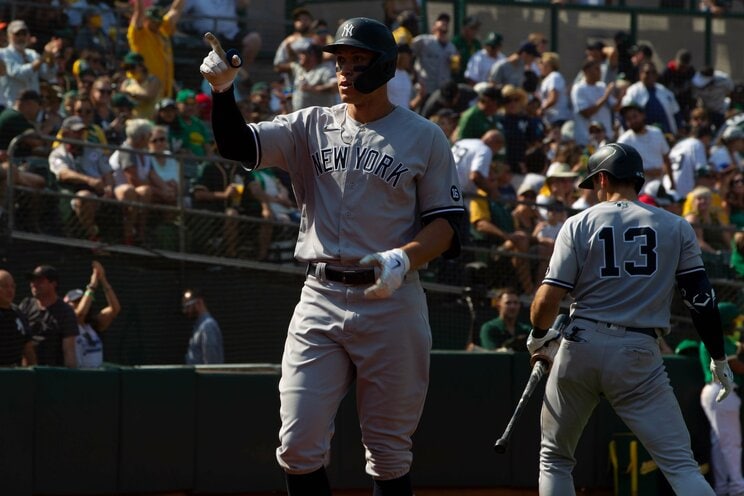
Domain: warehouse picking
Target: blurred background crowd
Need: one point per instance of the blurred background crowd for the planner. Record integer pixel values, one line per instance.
(105, 134)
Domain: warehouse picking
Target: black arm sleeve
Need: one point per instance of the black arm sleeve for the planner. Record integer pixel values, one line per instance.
(235, 140)
(454, 220)
(700, 299)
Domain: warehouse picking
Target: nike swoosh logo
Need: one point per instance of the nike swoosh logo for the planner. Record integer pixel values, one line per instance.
(397, 264)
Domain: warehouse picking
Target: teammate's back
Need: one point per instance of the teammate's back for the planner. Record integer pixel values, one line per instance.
(627, 264)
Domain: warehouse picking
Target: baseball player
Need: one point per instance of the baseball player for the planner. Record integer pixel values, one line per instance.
(619, 260)
(378, 191)
(724, 416)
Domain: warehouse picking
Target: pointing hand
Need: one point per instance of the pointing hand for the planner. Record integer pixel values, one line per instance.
(215, 67)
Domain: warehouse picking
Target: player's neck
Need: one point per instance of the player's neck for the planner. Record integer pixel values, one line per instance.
(371, 109)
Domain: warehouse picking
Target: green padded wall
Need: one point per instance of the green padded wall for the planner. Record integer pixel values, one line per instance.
(157, 429)
(237, 427)
(76, 431)
(17, 432)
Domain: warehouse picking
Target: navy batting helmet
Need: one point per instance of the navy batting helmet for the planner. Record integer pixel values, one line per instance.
(617, 159)
(361, 32)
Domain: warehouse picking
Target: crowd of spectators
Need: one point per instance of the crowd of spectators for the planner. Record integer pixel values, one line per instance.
(102, 73)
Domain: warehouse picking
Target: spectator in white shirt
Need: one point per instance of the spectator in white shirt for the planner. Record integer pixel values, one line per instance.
(481, 62)
(592, 102)
(648, 140)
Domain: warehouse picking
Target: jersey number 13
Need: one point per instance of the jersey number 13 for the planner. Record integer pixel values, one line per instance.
(644, 238)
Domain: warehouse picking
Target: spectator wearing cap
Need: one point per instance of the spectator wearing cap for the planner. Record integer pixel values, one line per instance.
(166, 114)
(262, 105)
(313, 82)
(727, 156)
(711, 89)
(648, 140)
(85, 179)
(403, 89)
(16, 344)
(677, 77)
(149, 34)
(24, 67)
(194, 131)
(82, 107)
(598, 52)
(511, 70)
(659, 104)
(123, 110)
(555, 102)
(687, 155)
(639, 54)
(139, 85)
(88, 344)
(467, 44)
(436, 58)
(480, 63)
(482, 116)
(301, 36)
(52, 322)
(205, 345)
(560, 185)
(592, 101)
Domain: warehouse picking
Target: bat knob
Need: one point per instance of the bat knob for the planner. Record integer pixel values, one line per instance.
(229, 56)
(500, 446)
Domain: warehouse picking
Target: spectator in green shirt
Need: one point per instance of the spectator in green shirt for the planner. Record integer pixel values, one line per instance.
(506, 330)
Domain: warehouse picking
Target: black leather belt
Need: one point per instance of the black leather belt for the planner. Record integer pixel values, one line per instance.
(351, 276)
(648, 331)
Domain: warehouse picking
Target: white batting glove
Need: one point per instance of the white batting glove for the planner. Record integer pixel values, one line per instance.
(394, 264)
(534, 343)
(546, 353)
(215, 67)
(722, 372)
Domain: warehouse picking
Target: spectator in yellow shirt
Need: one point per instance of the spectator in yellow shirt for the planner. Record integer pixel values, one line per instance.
(149, 34)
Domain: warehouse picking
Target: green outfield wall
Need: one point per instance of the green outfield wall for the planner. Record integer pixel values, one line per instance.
(134, 430)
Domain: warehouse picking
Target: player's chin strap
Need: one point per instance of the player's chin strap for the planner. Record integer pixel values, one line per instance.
(700, 299)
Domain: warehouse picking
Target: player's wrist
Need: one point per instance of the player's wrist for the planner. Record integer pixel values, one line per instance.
(538, 332)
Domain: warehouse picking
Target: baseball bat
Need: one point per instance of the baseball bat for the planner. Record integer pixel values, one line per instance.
(539, 370)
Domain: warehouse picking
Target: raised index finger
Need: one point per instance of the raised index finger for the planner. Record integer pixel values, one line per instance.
(215, 44)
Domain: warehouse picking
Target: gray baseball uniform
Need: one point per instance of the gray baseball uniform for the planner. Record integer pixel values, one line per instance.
(619, 261)
(362, 188)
